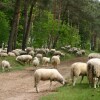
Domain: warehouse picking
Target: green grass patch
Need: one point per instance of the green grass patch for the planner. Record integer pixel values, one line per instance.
(79, 92)
(14, 64)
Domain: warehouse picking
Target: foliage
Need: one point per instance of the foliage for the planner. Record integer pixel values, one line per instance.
(75, 22)
(4, 28)
(68, 35)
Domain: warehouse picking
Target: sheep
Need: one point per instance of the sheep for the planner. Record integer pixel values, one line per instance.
(31, 53)
(3, 54)
(79, 53)
(78, 69)
(47, 74)
(28, 49)
(35, 62)
(94, 55)
(5, 64)
(45, 61)
(22, 52)
(41, 51)
(11, 54)
(16, 52)
(24, 58)
(68, 47)
(55, 61)
(39, 56)
(52, 51)
(93, 71)
(57, 53)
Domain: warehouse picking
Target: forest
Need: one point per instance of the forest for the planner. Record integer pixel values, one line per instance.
(50, 24)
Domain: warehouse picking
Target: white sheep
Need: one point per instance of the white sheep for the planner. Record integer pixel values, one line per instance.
(3, 54)
(93, 69)
(31, 53)
(78, 69)
(39, 56)
(28, 49)
(16, 52)
(35, 62)
(5, 65)
(47, 74)
(24, 58)
(11, 54)
(94, 55)
(55, 61)
(45, 61)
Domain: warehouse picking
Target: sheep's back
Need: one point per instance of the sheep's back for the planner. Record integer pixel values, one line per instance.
(79, 68)
(46, 74)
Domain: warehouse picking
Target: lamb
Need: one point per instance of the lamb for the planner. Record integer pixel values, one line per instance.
(94, 55)
(35, 62)
(24, 58)
(5, 64)
(45, 61)
(78, 69)
(47, 74)
(55, 61)
(93, 71)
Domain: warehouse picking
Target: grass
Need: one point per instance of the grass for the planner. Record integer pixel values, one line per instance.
(14, 64)
(79, 92)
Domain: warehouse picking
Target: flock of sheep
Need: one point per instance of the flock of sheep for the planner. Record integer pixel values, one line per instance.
(34, 57)
(91, 68)
(73, 50)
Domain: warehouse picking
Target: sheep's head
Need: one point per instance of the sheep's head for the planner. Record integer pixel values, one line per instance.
(62, 81)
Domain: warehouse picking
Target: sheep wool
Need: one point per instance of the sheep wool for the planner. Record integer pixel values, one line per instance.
(5, 65)
(78, 69)
(45, 61)
(36, 62)
(93, 69)
(55, 61)
(47, 74)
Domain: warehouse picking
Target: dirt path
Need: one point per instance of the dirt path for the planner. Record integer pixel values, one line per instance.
(19, 85)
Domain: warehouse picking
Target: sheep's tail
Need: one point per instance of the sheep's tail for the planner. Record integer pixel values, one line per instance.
(54, 63)
(90, 73)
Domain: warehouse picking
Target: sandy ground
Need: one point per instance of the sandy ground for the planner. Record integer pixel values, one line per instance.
(19, 85)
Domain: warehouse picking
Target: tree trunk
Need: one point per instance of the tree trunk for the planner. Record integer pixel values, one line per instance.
(14, 27)
(93, 41)
(26, 2)
(26, 34)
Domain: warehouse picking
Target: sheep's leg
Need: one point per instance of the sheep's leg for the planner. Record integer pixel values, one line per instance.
(37, 89)
(47, 64)
(3, 69)
(95, 81)
(98, 83)
(50, 85)
(36, 80)
(82, 79)
(36, 86)
(74, 80)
